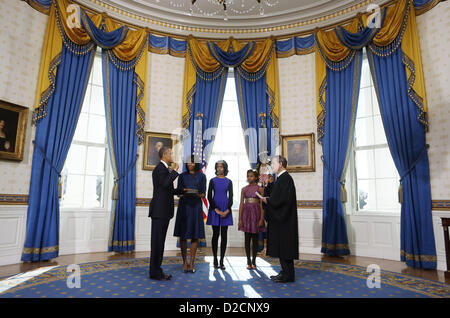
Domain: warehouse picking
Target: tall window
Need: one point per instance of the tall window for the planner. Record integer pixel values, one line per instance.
(86, 173)
(375, 177)
(229, 143)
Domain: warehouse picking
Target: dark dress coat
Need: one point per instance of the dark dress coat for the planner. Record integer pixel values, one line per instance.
(162, 204)
(282, 236)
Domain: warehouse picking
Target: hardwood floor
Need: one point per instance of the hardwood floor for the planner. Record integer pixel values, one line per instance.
(394, 266)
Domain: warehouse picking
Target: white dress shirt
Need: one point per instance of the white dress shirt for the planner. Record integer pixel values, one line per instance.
(165, 164)
(281, 173)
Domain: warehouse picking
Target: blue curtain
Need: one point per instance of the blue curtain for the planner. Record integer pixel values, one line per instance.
(120, 89)
(207, 100)
(54, 134)
(120, 84)
(295, 45)
(406, 139)
(106, 40)
(341, 98)
(253, 100)
(166, 44)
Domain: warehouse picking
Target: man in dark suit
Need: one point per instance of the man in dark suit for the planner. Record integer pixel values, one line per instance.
(282, 226)
(161, 210)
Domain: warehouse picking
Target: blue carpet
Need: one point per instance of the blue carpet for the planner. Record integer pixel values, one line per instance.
(129, 278)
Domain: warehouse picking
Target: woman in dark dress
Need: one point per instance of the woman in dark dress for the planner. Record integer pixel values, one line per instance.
(189, 221)
(220, 197)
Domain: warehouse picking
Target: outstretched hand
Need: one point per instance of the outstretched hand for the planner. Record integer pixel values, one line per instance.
(261, 223)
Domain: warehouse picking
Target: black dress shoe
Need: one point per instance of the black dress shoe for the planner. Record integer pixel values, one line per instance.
(284, 280)
(222, 267)
(191, 271)
(275, 276)
(166, 277)
(155, 277)
(216, 264)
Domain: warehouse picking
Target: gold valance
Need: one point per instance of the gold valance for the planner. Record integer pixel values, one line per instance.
(329, 44)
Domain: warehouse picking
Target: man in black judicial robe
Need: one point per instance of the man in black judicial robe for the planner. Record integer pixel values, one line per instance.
(282, 225)
(161, 210)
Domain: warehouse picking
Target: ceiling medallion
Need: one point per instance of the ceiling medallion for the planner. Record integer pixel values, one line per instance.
(223, 7)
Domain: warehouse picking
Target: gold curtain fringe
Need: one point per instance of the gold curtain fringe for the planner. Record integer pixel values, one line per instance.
(40, 111)
(40, 250)
(323, 111)
(123, 243)
(426, 7)
(418, 101)
(187, 116)
(37, 6)
(140, 113)
(167, 50)
(418, 257)
(335, 246)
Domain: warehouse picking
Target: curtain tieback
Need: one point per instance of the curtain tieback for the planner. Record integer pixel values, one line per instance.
(411, 168)
(342, 182)
(115, 192)
(50, 163)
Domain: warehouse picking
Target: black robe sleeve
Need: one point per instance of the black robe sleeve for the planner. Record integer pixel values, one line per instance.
(282, 194)
(212, 204)
(230, 195)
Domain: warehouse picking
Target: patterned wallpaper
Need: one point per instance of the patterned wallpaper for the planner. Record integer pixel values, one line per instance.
(298, 115)
(433, 28)
(163, 103)
(22, 32)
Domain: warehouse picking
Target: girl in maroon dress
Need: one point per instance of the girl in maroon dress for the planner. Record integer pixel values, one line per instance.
(251, 216)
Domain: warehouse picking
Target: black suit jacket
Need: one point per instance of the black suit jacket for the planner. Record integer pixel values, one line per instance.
(162, 204)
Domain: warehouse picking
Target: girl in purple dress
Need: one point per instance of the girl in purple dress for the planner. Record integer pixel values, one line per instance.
(219, 215)
(251, 216)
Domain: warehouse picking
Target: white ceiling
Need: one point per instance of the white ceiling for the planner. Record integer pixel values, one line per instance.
(280, 17)
(275, 11)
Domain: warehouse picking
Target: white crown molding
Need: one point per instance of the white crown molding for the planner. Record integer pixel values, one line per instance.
(318, 14)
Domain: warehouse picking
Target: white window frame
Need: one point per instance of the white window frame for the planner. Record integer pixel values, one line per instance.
(107, 177)
(352, 207)
(221, 154)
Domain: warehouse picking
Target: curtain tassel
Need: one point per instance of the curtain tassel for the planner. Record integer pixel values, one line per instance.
(343, 193)
(115, 191)
(59, 188)
(400, 194)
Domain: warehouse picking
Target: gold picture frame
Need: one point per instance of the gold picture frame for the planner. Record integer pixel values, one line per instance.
(13, 128)
(299, 151)
(153, 141)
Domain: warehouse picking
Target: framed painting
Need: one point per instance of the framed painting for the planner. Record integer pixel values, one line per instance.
(13, 126)
(153, 142)
(299, 152)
